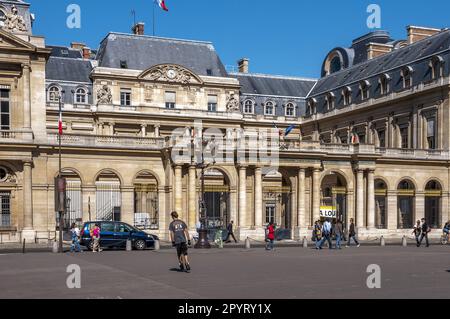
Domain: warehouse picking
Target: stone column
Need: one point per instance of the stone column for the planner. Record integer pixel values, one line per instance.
(26, 97)
(301, 198)
(360, 198)
(111, 128)
(258, 197)
(192, 197)
(27, 195)
(371, 199)
(157, 128)
(420, 206)
(392, 210)
(127, 205)
(144, 130)
(316, 195)
(179, 190)
(88, 195)
(242, 195)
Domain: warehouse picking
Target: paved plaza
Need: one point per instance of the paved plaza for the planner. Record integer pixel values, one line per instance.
(292, 273)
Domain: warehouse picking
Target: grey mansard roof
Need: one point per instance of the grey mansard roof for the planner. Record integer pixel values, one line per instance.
(274, 85)
(70, 70)
(142, 52)
(409, 55)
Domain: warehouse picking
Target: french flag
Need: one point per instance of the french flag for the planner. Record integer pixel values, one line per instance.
(162, 5)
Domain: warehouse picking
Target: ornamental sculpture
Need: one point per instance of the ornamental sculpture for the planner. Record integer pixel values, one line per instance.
(104, 95)
(13, 21)
(171, 74)
(232, 103)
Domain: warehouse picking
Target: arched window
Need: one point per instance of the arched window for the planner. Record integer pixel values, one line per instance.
(380, 204)
(384, 84)
(290, 110)
(347, 96)
(433, 195)
(406, 201)
(329, 101)
(311, 106)
(269, 109)
(54, 93)
(436, 67)
(81, 96)
(249, 107)
(364, 87)
(406, 76)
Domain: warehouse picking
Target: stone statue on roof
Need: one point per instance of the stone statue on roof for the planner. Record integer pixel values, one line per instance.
(13, 21)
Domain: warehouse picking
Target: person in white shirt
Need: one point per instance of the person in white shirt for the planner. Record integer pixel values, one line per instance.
(75, 232)
(326, 235)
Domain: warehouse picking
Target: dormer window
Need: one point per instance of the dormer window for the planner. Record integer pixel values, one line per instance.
(81, 96)
(54, 93)
(347, 96)
(269, 109)
(384, 84)
(290, 110)
(311, 106)
(406, 76)
(329, 101)
(364, 88)
(249, 107)
(437, 67)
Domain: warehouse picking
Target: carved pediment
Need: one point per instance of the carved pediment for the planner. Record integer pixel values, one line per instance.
(10, 41)
(171, 73)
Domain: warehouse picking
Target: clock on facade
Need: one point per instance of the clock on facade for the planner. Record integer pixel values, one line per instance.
(171, 74)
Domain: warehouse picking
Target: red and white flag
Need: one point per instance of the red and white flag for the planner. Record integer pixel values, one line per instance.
(60, 124)
(162, 5)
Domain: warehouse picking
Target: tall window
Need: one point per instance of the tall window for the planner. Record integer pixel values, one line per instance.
(290, 110)
(436, 68)
(270, 213)
(407, 77)
(431, 133)
(171, 100)
(81, 96)
(381, 138)
(404, 136)
(5, 116)
(329, 102)
(311, 106)
(248, 107)
(384, 84)
(347, 96)
(269, 109)
(5, 209)
(364, 88)
(212, 103)
(125, 97)
(53, 94)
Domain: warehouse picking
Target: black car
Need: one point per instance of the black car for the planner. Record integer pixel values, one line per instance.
(116, 234)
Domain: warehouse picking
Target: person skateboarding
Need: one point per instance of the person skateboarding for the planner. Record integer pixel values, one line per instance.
(179, 236)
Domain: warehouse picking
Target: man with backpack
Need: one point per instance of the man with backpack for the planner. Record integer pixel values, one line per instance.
(425, 231)
(326, 233)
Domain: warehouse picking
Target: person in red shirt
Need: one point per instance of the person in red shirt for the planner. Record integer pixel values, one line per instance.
(270, 236)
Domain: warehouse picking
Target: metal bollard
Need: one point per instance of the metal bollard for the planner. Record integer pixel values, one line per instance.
(382, 241)
(404, 242)
(129, 248)
(248, 244)
(55, 248)
(157, 245)
(23, 247)
(305, 242)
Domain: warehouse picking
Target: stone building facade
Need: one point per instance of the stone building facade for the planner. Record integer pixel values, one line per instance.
(369, 139)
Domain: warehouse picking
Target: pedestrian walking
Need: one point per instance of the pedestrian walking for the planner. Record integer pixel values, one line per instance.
(317, 232)
(230, 229)
(179, 236)
(425, 231)
(339, 233)
(95, 235)
(270, 236)
(326, 235)
(352, 234)
(417, 232)
(75, 234)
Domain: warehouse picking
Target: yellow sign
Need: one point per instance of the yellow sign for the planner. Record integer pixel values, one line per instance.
(328, 212)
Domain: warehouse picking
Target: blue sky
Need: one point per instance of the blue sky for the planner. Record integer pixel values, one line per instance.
(289, 37)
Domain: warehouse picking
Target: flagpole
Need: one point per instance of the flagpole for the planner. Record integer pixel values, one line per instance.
(154, 4)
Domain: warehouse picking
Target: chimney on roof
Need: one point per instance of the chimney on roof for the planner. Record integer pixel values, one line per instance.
(418, 33)
(77, 45)
(377, 49)
(138, 28)
(243, 65)
(86, 53)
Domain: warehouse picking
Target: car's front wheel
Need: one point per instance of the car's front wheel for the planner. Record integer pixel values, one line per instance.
(139, 244)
